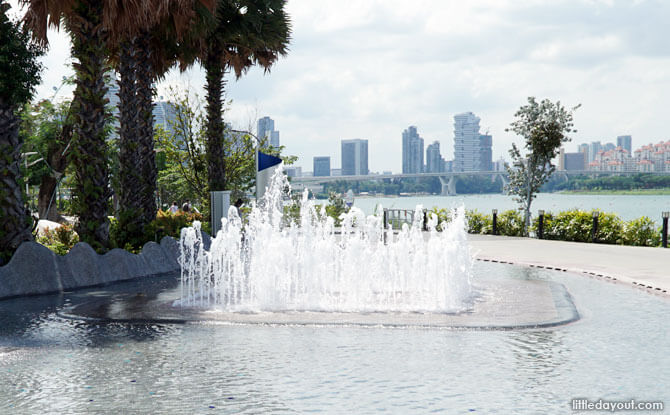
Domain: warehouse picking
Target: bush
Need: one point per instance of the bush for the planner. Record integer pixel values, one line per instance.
(641, 232)
(510, 223)
(60, 240)
(165, 224)
(171, 224)
(478, 222)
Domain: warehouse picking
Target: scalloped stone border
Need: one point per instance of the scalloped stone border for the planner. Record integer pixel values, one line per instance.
(35, 269)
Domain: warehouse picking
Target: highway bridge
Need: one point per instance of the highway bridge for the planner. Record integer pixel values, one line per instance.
(448, 179)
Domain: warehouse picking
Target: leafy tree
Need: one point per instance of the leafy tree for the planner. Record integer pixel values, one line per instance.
(19, 74)
(183, 169)
(543, 126)
(241, 34)
(47, 130)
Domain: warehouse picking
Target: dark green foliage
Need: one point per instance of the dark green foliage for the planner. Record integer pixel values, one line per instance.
(632, 182)
(19, 69)
(19, 73)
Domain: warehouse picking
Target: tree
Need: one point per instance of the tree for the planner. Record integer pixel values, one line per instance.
(242, 34)
(143, 53)
(47, 130)
(19, 74)
(543, 126)
(87, 22)
(183, 172)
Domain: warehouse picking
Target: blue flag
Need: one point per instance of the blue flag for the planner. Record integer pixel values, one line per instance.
(267, 165)
(266, 161)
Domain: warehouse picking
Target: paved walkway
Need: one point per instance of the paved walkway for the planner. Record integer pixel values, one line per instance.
(647, 268)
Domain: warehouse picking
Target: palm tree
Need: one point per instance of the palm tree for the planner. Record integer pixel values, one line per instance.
(244, 33)
(88, 23)
(19, 74)
(144, 53)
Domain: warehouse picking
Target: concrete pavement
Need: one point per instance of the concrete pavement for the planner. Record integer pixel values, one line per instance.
(642, 267)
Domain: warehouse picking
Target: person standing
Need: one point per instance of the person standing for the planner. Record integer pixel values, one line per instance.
(186, 207)
(174, 208)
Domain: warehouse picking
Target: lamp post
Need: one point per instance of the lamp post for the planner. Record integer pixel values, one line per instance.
(665, 228)
(495, 221)
(594, 229)
(540, 224)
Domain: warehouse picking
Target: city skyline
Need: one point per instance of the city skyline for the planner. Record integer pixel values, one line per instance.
(485, 56)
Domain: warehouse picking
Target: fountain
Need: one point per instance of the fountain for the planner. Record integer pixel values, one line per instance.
(271, 264)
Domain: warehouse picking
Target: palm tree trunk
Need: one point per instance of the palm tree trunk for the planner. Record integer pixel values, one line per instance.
(91, 192)
(130, 174)
(145, 129)
(14, 220)
(215, 85)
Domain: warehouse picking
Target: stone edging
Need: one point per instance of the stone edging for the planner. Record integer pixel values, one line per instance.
(35, 269)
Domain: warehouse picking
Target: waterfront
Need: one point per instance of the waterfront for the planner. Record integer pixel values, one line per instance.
(626, 206)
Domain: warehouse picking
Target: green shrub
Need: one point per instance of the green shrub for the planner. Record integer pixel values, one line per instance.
(60, 240)
(510, 223)
(641, 232)
(478, 222)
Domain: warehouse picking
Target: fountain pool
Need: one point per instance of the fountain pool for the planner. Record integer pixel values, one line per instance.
(233, 334)
(54, 362)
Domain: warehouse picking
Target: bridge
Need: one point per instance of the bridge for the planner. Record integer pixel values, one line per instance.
(448, 179)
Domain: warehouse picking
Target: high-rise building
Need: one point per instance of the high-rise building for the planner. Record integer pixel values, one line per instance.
(434, 160)
(266, 129)
(625, 142)
(354, 157)
(165, 115)
(485, 152)
(594, 148)
(322, 166)
(412, 151)
(609, 146)
(472, 151)
(584, 148)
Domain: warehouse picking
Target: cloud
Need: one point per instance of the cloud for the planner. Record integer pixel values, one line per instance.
(370, 68)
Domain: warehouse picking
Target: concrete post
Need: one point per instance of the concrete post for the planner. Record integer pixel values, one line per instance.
(220, 203)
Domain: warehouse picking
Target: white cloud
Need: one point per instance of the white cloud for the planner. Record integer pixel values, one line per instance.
(370, 68)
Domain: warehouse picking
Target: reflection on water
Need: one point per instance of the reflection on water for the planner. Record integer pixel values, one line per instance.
(53, 364)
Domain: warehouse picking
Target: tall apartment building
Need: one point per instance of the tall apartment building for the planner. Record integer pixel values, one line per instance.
(412, 151)
(594, 148)
(322, 166)
(165, 114)
(266, 129)
(434, 161)
(354, 157)
(625, 142)
(472, 151)
(485, 152)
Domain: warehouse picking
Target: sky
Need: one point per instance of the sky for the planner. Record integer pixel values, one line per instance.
(371, 68)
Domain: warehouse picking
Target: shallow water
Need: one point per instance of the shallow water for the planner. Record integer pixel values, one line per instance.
(51, 364)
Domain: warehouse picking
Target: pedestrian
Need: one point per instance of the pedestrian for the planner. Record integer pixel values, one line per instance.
(186, 207)
(238, 204)
(174, 208)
